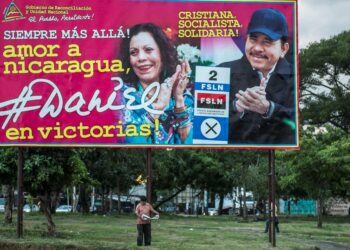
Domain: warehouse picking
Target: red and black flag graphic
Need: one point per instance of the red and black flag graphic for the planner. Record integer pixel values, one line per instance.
(211, 100)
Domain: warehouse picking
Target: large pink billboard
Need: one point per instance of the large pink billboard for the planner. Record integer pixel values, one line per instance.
(149, 74)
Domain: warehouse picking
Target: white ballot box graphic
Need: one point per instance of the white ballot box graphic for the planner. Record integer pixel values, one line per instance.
(211, 105)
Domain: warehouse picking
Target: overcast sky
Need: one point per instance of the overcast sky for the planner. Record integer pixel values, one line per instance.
(322, 19)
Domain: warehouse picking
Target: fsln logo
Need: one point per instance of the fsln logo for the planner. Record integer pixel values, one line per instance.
(12, 13)
(211, 100)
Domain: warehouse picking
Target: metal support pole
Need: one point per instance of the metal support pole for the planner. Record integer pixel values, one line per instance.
(270, 194)
(149, 175)
(20, 165)
(273, 197)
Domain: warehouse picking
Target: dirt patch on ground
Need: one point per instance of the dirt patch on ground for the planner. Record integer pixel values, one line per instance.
(14, 246)
(332, 246)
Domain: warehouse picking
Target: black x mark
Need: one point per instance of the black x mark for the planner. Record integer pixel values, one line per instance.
(211, 128)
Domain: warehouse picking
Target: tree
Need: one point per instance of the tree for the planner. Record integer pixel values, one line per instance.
(325, 99)
(217, 171)
(82, 177)
(86, 157)
(46, 172)
(320, 170)
(8, 170)
(216, 174)
(172, 172)
(257, 177)
(117, 169)
(250, 173)
(324, 82)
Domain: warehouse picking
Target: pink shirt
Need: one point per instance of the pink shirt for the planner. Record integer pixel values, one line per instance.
(146, 209)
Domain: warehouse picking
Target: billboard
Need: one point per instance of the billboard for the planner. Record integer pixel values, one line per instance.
(129, 73)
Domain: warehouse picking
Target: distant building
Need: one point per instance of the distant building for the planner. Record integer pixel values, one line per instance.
(337, 207)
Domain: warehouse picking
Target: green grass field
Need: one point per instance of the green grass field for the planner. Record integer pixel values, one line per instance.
(75, 231)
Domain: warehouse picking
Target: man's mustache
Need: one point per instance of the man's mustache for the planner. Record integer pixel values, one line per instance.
(258, 55)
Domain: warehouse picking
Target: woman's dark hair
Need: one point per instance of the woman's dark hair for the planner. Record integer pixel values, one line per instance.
(167, 50)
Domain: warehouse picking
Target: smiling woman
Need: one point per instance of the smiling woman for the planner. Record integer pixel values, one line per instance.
(153, 59)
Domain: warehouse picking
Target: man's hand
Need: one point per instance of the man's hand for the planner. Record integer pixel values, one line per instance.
(252, 99)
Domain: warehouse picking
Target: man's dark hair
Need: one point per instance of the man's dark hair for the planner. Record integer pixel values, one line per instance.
(284, 40)
(143, 198)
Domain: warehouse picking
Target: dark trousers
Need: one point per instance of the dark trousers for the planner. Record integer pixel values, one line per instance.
(144, 233)
(267, 227)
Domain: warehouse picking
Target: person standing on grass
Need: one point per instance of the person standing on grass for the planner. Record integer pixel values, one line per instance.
(268, 222)
(143, 212)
